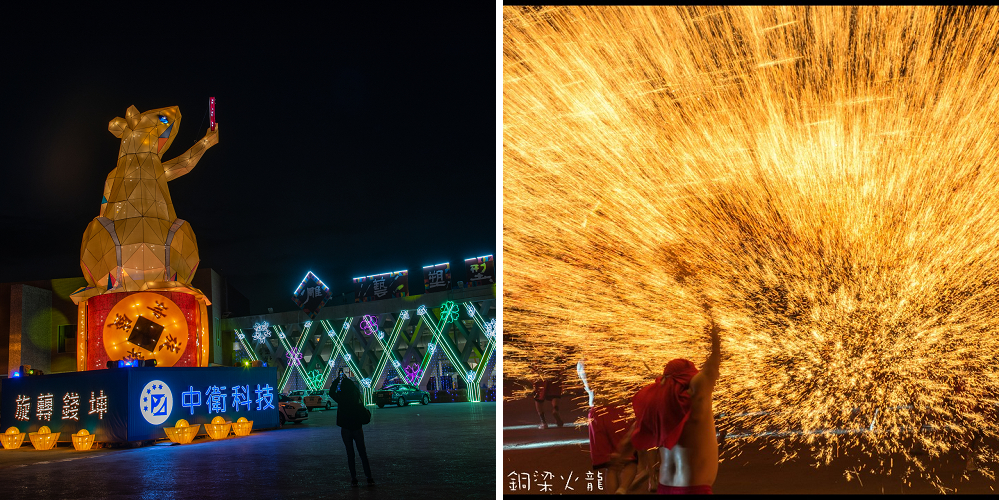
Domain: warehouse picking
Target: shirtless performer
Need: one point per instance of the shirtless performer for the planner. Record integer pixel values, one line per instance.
(674, 414)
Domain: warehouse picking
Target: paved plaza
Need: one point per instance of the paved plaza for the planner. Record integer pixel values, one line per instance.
(445, 450)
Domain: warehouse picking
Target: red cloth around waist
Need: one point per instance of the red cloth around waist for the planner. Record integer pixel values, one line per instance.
(607, 426)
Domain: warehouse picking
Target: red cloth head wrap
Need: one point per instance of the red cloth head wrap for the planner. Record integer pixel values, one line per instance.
(662, 408)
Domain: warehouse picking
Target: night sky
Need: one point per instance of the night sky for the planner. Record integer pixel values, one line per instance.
(351, 142)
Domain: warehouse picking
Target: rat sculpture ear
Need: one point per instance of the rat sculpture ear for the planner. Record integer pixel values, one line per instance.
(132, 116)
(117, 126)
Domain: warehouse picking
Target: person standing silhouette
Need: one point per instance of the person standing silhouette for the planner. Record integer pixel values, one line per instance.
(351, 415)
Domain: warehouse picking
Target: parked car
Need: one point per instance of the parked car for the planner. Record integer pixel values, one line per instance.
(401, 395)
(297, 395)
(319, 399)
(290, 411)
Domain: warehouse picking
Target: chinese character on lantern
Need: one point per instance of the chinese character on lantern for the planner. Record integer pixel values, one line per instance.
(43, 411)
(23, 409)
(71, 406)
(98, 405)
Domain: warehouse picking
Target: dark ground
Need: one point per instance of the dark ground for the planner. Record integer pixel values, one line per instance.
(752, 472)
(446, 450)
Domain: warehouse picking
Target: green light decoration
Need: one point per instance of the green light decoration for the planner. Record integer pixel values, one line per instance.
(245, 344)
(317, 378)
(489, 330)
(288, 348)
(472, 378)
(449, 312)
(314, 379)
(389, 354)
(341, 349)
(338, 344)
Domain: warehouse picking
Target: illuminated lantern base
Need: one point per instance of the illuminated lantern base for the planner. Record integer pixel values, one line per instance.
(219, 428)
(242, 427)
(12, 439)
(182, 433)
(169, 325)
(83, 440)
(44, 439)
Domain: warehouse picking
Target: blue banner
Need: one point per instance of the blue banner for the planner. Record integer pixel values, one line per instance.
(135, 404)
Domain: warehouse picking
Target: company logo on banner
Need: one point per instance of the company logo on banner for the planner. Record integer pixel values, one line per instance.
(480, 271)
(156, 402)
(437, 277)
(381, 286)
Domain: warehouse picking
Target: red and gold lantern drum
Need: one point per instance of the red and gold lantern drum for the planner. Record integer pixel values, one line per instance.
(168, 326)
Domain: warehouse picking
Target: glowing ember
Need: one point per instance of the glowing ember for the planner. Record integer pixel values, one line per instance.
(826, 177)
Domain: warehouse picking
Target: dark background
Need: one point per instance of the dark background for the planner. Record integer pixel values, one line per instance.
(352, 141)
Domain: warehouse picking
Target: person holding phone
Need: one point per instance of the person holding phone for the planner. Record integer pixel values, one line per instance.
(351, 415)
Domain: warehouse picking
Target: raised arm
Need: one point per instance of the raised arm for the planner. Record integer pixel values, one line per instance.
(709, 374)
(188, 159)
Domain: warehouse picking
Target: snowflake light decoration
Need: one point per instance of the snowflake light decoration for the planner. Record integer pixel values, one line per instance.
(404, 315)
(307, 324)
(261, 332)
(449, 312)
(331, 363)
(347, 358)
(471, 376)
(347, 324)
(395, 363)
(471, 309)
(412, 373)
(491, 329)
(294, 357)
(422, 310)
(381, 335)
(366, 382)
(431, 347)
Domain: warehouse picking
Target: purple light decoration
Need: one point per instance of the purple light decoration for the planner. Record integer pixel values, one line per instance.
(294, 357)
(412, 373)
(369, 324)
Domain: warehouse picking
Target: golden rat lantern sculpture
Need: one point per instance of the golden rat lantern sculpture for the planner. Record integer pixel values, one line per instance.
(137, 244)
(137, 239)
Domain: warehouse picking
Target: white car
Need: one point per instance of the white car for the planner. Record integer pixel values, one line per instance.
(290, 411)
(297, 395)
(318, 399)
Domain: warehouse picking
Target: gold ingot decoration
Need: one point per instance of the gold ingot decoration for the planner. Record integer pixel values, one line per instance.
(146, 325)
(181, 432)
(44, 439)
(83, 440)
(12, 439)
(219, 428)
(137, 242)
(242, 426)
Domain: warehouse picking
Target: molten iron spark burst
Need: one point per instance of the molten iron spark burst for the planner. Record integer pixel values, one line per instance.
(826, 177)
